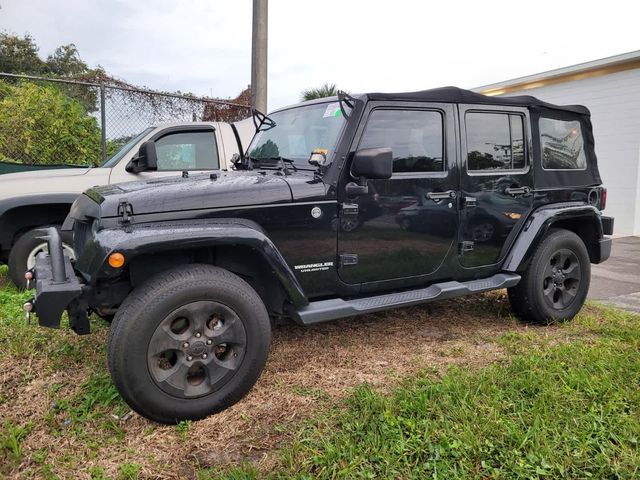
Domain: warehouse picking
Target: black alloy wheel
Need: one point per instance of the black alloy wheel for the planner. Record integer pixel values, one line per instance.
(189, 342)
(555, 282)
(196, 349)
(561, 280)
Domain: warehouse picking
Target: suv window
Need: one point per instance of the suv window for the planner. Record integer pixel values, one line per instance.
(562, 145)
(414, 136)
(187, 151)
(495, 141)
(113, 161)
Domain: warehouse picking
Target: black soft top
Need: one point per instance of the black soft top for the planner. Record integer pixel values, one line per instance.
(459, 95)
(537, 108)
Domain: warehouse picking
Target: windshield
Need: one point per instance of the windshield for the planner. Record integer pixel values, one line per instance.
(299, 132)
(125, 148)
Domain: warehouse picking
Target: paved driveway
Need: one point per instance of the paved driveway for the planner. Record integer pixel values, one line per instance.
(617, 281)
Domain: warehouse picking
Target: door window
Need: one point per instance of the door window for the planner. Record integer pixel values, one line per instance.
(187, 151)
(414, 136)
(495, 141)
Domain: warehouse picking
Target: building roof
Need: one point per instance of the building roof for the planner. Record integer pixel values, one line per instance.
(581, 71)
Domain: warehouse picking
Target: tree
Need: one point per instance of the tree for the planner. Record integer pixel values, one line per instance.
(326, 90)
(40, 124)
(20, 55)
(66, 62)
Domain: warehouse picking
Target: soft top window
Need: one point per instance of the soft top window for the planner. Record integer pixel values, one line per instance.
(562, 144)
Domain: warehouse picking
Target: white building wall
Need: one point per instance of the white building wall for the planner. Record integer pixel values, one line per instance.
(614, 101)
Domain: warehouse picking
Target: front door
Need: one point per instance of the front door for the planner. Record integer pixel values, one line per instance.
(189, 149)
(496, 181)
(401, 231)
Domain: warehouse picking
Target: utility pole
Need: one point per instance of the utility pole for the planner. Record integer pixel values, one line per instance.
(259, 56)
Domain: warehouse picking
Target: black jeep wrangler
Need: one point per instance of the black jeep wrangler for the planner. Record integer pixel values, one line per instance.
(340, 206)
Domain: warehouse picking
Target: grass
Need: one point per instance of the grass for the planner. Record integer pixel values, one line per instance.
(130, 471)
(556, 402)
(82, 412)
(568, 410)
(11, 438)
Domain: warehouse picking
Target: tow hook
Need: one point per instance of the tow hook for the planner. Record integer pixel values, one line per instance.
(28, 276)
(28, 308)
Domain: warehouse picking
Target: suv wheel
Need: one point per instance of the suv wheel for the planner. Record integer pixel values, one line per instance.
(23, 253)
(555, 284)
(189, 342)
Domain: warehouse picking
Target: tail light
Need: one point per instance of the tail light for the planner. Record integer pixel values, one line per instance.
(603, 199)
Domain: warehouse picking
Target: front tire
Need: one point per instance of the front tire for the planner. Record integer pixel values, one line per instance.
(188, 343)
(23, 253)
(555, 284)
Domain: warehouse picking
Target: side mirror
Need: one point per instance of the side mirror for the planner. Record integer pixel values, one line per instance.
(372, 164)
(146, 160)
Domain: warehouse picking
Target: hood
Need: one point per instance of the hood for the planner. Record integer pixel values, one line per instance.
(58, 180)
(169, 194)
(45, 173)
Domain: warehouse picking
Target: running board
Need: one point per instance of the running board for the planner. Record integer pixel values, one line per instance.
(324, 310)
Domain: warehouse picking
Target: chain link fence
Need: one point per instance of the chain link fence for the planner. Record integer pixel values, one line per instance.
(49, 123)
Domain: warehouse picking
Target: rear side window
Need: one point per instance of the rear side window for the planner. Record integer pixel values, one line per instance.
(414, 136)
(562, 145)
(495, 141)
(187, 151)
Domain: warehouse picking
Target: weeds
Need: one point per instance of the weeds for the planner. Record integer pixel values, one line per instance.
(98, 401)
(130, 471)
(183, 429)
(11, 437)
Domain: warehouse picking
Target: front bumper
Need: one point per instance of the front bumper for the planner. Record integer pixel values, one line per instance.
(57, 288)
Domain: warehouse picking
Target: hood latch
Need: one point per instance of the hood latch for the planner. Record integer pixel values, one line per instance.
(125, 211)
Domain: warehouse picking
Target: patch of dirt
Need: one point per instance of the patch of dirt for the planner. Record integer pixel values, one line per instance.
(309, 369)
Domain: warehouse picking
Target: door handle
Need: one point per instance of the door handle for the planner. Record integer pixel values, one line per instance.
(515, 191)
(435, 196)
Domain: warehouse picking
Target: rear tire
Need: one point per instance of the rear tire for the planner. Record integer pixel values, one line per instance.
(24, 250)
(188, 343)
(555, 284)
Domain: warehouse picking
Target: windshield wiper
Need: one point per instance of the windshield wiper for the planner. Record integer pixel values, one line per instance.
(279, 165)
(284, 160)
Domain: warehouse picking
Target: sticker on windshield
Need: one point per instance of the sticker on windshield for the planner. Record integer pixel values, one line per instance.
(333, 110)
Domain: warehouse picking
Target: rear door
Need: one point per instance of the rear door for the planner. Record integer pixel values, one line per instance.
(496, 181)
(402, 230)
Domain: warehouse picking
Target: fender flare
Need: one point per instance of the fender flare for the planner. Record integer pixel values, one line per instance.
(539, 223)
(135, 240)
(8, 204)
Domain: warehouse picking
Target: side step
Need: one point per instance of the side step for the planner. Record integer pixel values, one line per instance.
(324, 310)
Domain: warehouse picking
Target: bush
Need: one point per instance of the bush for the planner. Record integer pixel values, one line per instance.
(41, 125)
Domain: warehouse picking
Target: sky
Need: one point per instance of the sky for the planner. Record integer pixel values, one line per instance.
(204, 46)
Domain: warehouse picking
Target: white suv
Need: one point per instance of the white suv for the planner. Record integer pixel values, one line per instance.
(31, 200)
